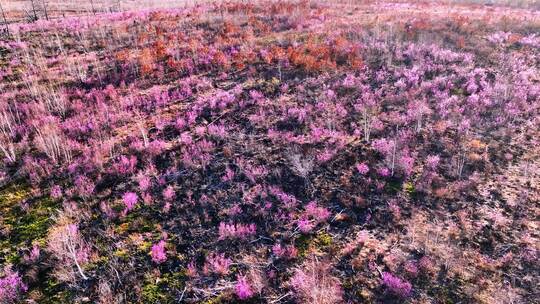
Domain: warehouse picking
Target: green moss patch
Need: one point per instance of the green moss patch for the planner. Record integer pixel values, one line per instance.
(23, 226)
(162, 289)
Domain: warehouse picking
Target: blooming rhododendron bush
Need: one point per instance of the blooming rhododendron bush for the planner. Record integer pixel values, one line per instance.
(272, 152)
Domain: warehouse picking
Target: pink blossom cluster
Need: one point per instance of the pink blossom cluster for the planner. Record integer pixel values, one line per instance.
(243, 289)
(158, 252)
(236, 231)
(396, 285)
(312, 216)
(217, 264)
(11, 286)
(130, 200)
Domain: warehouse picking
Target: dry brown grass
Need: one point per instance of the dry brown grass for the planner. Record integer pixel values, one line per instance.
(17, 10)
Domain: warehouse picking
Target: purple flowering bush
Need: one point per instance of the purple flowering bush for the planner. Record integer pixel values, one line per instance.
(11, 286)
(396, 286)
(243, 289)
(158, 252)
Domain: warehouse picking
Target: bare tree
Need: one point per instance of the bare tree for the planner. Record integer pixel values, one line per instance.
(93, 9)
(71, 251)
(115, 6)
(44, 5)
(50, 141)
(38, 8)
(7, 146)
(6, 29)
(34, 15)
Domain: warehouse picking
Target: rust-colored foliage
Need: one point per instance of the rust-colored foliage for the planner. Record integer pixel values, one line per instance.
(317, 55)
(460, 21)
(460, 42)
(221, 60)
(514, 38)
(285, 7)
(122, 55)
(146, 61)
(258, 25)
(414, 27)
(229, 28)
(160, 49)
(312, 56)
(236, 7)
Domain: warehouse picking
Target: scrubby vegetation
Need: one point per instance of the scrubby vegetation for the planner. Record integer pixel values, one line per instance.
(272, 152)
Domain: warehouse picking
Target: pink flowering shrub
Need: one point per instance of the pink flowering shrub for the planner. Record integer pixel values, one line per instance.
(396, 286)
(242, 288)
(432, 162)
(311, 217)
(217, 264)
(169, 193)
(288, 252)
(56, 192)
(411, 269)
(318, 214)
(236, 231)
(158, 252)
(125, 165)
(84, 186)
(362, 168)
(11, 286)
(426, 265)
(130, 200)
(144, 183)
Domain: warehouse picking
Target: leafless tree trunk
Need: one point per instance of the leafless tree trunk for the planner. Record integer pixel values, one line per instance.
(72, 249)
(4, 19)
(93, 9)
(44, 4)
(67, 245)
(34, 11)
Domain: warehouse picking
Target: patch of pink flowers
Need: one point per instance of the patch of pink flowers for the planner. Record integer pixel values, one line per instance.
(396, 285)
(242, 288)
(236, 231)
(362, 168)
(158, 252)
(11, 286)
(217, 264)
(130, 200)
